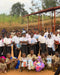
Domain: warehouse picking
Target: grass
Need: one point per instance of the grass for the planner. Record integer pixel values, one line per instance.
(14, 22)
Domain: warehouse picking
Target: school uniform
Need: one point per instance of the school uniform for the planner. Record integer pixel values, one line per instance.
(59, 45)
(24, 45)
(1, 47)
(46, 34)
(32, 44)
(17, 45)
(42, 41)
(28, 35)
(5, 47)
(36, 36)
(50, 43)
(8, 42)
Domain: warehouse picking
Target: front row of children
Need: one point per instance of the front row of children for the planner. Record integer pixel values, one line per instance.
(29, 62)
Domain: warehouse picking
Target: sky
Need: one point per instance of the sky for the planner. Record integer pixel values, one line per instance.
(5, 5)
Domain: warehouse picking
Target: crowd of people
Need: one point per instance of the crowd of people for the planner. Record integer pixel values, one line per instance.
(39, 50)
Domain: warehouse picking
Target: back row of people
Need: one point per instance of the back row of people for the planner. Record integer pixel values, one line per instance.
(26, 41)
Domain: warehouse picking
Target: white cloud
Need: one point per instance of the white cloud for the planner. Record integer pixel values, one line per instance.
(5, 5)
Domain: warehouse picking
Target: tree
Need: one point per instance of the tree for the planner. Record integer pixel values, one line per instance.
(49, 3)
(36, 5)
(18, 9)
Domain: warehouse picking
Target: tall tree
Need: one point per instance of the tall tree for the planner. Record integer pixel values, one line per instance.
(36, 5)
(18, 9)
(49, 3)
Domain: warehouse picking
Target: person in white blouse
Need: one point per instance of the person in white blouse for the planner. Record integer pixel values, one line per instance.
(42, 42)
(32, 44)
(24, 44)
(48, 32)
(16, 40)
(1, 46)
(8, 42)
(36, 36)
(50, 43)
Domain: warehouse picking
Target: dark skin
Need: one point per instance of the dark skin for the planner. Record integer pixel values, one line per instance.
(54, 65)
(11, 60)
(3, 61)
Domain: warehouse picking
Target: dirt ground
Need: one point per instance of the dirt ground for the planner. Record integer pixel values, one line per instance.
(16, 72)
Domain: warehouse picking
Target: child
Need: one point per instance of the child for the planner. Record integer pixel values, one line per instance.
(44, 59)
(49, 60)
(55, 60)
(3, 66)
(39, 65)
(23, 62)
(31, 57)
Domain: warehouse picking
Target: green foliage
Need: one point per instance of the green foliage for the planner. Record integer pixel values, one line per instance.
(49, 3)
(18, 10)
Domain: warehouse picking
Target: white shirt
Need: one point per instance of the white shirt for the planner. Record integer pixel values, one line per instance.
(56, 38)
(13, 38)
(50, 42)
(7, 41)
(1, 43)
(32, 40)
(36, 36)
(42, 39)
(46, 35)
(17, 40)
(23, 39)
(28, 36)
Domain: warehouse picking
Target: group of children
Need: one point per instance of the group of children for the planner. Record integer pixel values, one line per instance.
(39, 50)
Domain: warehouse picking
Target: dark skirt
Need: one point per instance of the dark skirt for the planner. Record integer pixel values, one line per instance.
(24, 49)
(5, 51)
(33, 47)
(1, 51)
(37, 48)
(9, 49)
(50, 51)
(43, 47)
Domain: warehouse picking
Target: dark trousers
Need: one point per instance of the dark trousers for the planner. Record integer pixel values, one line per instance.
(37, 48)
(9, 49)
(58, 71)
(59, 49)
(50, 51)
(14, 50)
(33, 47)
(24, 49)
(17, 52)
(43, 47)
(1, 50)
(5, 51)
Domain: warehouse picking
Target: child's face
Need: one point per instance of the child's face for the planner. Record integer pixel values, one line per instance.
(23, 55)
(8, 56)
(43, 55)
(32, 52)
(57, 54)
